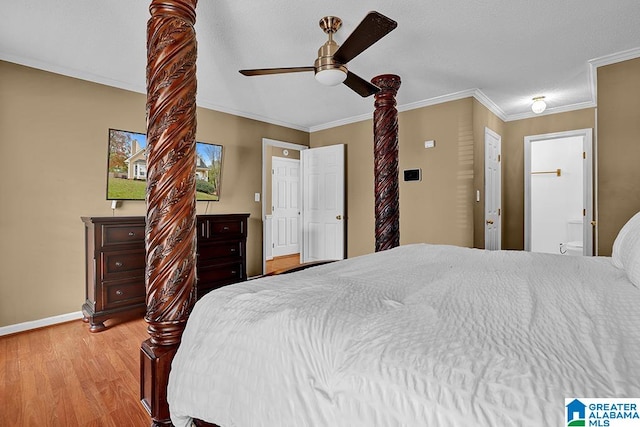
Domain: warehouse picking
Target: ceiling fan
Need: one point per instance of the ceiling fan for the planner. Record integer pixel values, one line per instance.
(330, 67)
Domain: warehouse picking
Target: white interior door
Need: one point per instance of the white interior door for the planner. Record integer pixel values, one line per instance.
(323, 216)
(492, 190)
(285, 195)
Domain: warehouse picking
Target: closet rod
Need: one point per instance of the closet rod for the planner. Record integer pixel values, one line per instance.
(558, 172)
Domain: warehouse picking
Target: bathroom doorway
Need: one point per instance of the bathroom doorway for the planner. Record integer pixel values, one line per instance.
(559, 193)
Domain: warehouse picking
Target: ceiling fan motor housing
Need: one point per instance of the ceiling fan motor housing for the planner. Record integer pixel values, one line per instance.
(325, 59)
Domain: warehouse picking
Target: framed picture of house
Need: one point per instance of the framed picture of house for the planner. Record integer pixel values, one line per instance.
(127, 167)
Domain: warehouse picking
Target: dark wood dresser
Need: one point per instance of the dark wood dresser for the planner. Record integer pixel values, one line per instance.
(115, 262)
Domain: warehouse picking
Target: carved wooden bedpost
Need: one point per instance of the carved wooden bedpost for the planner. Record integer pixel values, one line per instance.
(385, 136)
(171, 206)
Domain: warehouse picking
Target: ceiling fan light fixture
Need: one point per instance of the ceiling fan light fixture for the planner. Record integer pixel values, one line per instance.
(331, 76)
(538, 105)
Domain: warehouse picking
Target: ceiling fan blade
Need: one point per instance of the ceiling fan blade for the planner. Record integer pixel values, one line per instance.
(360, 85)
(265, 71)
(373, 27)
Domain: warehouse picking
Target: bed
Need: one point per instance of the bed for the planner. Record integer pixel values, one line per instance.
(416, 335)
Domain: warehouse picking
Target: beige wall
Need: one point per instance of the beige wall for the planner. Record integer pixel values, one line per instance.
(618, 149)
(438, 209)
(513, 165)
(53, 148)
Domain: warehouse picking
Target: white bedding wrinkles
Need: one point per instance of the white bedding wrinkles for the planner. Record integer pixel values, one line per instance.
(420, 335)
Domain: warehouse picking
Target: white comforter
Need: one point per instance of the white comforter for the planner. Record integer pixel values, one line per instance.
(421, 335)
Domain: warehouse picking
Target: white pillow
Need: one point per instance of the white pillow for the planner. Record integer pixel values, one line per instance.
(620, 245)
(631, 261)
(626, 249)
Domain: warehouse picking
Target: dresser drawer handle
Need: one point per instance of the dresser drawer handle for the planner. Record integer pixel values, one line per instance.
(119, 264)
(233, 249)
(131, 233)
(225, 228)
(234, 272)
(119, 292)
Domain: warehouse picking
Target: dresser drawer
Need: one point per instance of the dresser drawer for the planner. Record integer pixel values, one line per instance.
(233, 248)
(222, 274)
(222, 228)
(123, 264)
(226, 228)
(115, 295)
(115, 234)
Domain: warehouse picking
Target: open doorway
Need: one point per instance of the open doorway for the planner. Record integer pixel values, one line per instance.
(280, 208)
(314, 218)
(559, 193)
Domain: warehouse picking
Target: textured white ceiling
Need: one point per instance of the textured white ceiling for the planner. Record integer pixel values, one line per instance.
(504, 52)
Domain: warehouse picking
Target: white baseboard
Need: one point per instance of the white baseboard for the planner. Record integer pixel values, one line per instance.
(40, 323)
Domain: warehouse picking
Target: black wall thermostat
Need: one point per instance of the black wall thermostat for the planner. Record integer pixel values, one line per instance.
(413, 174)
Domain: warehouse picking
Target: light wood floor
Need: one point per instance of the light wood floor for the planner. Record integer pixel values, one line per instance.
(282, 262)
(63, 376)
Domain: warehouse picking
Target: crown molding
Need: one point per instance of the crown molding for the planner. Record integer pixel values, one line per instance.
(70, 72)
(549, 111)
(601, 61)
(437, 100)
(490, 105)
(210, 106)
(625, 55)
(470, 93)
(342, 122)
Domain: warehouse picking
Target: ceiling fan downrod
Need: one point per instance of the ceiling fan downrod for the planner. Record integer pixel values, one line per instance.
(325, 61)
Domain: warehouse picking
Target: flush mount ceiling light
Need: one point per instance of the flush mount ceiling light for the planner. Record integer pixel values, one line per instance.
(538, 105)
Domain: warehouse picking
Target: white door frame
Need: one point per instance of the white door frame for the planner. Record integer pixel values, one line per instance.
(587, 184)
(492, 191)
(266, 142)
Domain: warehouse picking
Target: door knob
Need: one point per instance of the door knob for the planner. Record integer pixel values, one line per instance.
(338, 217)
(489, 221)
